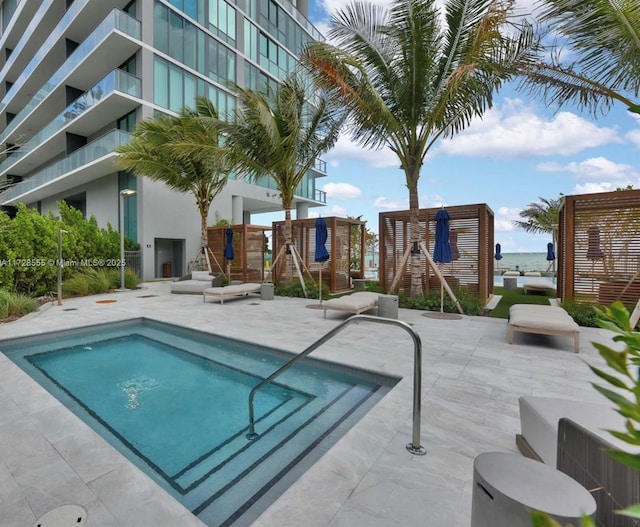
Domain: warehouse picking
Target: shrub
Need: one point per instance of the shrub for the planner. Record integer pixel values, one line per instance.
(77, 285)
(582, 312)
(4, 303)
(33, 238)
(294, 289)
(470, 302)
(131, 279)
(20, 304)
(98, 280)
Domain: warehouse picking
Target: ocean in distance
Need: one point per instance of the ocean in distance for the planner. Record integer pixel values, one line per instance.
(522, 262)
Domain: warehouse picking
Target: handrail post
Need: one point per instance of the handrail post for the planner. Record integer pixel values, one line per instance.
(413, 447)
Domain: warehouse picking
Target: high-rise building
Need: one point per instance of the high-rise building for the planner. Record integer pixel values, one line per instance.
(77, 75)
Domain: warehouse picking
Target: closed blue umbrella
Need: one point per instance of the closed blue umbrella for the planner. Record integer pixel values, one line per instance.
(550, 254)
(321, 254)
(442, 249)
(228, 250)
(498, 252)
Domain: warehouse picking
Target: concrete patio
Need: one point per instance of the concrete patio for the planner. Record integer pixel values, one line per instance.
(472, 379)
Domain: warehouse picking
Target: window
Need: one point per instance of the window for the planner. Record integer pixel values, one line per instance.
(222, 20)
(127, 122)
(175, 88)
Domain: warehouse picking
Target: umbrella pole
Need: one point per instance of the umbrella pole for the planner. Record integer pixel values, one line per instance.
(440, 277)
(320, 283)
(441, 293)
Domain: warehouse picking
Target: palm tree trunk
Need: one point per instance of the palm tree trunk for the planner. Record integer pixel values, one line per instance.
(288, 241)
(414, 222)
(204, 235)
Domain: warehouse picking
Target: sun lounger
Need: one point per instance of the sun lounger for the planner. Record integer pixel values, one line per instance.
(195, 285)
(571, 436)
(538, 285)
(230, 290)
(544, 320)
(355, 303)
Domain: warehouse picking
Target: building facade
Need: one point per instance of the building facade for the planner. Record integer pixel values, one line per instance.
(77, 75)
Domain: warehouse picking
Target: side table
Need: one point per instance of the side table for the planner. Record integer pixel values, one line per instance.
(506, 486)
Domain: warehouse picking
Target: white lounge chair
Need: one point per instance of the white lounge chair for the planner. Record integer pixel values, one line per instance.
(538, 285)
(544, 320)
(355, 303)
(199, 281)
(230, 290)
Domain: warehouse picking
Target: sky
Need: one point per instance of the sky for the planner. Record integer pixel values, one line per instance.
(518, 152)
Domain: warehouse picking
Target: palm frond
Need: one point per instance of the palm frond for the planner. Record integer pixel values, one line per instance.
(561, 85)
(605, 37)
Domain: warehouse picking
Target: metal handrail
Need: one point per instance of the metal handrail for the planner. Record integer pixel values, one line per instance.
(413, 447)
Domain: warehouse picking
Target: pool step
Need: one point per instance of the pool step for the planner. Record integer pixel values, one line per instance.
(273, 453)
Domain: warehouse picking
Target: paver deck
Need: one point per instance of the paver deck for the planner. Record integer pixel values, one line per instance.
(472, 379)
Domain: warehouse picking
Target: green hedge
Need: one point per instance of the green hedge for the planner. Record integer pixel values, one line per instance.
(29, 248)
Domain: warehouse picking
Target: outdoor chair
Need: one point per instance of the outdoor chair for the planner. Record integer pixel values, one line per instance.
(355, 303)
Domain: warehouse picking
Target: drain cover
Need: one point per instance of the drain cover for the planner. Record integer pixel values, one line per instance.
(65, 516)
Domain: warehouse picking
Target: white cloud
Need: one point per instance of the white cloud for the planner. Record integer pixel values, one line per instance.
(342, 191)
(386, 204)
(598, 173)
(594, 168)
(428, 201)
(347, 150)
(504, 217)
(515, 130)
(593, 188)
(425, 202)
(336, 210)
(634, 137)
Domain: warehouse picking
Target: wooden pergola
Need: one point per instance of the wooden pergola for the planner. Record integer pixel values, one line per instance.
(599, 248)
(249, 244)
(472, 242)
(336, 272)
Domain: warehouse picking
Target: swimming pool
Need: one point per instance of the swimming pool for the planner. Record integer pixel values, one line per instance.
(175, 402)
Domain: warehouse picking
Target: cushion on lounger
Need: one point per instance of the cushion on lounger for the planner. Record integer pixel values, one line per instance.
(539, 418)
(354, 303)
(202, 276)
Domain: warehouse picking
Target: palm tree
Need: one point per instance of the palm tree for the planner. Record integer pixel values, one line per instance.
(602, 40)
(408, 77)
(157, 152)
(280, 137)
(542, 217)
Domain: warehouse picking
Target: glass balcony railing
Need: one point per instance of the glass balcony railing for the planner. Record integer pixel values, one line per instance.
(27, 34)
(303, 190)
(321, 166)
(302, 20)
(117, 80)
(115, 20)
(55, 35)
(81, 157)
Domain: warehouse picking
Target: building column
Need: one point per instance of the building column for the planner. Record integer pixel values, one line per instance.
(302, 210)
(237, 206)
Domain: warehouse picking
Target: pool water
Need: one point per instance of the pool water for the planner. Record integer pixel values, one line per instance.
(175, 402)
